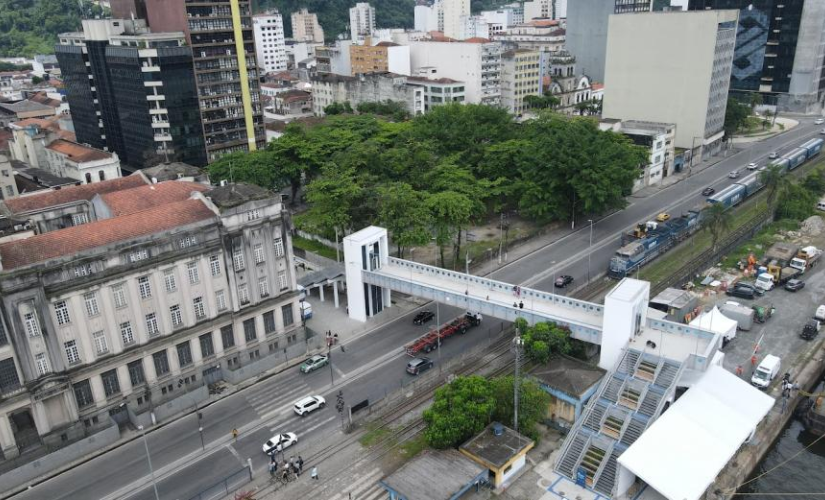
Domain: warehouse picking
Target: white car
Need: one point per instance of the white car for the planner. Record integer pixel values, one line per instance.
(819, 121)
(279, 442)
(773, 155)
(752, 166)
(309, 404)
(734, 174)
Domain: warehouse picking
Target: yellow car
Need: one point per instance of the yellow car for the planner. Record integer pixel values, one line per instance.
(663, 217)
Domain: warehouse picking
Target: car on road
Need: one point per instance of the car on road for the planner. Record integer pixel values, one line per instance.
(563, 280)
(794, 285)
(753, 166)
(811, 329)
(742, 290)
(308, 405)
(822, 132)
(734, 174)
(773, 155)
(663, 217)
(423, 317)
(819, 121)
(419, 365)
(279, 442)
(708, 191)
(313, 363)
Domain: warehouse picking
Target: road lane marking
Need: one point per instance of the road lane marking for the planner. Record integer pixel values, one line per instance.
(235, 453)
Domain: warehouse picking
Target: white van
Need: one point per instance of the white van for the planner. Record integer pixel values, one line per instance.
(821, 205)
(820, 313)
(766, 371)
(306, 310)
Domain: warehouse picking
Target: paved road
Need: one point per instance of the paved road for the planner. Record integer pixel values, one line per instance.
(264, 409)
(570, 254)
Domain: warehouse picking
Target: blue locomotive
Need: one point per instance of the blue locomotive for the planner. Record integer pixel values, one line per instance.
(649, 240)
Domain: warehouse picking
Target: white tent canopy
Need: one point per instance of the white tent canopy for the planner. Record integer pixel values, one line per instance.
(716, 322)
(686, 448)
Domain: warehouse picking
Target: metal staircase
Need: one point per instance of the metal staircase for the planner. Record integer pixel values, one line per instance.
(607, 477)
(570, 459)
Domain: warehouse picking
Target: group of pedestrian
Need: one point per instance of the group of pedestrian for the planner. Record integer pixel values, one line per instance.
(332, 339)
(295, 465)
(787, 387)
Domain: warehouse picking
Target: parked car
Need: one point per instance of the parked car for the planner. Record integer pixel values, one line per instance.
(753, 166)
(663, 217)
(766, 371)
(279, 442)
(810, 330)
(794, 285)
(822, 132)
(315, 362)
(423, 317)
(734, 174)
(708, 191)
(419, 365)
(819, 121)
(563, 280)
(742, 291)
(773, 155)
(309, 404)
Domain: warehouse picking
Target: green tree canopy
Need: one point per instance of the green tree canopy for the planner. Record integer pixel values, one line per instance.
(544, 340)
(30, 27)
(736, 114)
(533, 404)
(405, 214)
(460, 410)
(717, 221)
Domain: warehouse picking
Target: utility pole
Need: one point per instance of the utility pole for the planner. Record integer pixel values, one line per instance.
(517, 345)
(500, 237)
(589, 250)
(149, 459)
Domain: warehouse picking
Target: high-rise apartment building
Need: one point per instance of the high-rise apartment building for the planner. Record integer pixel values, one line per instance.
(269, 41)
(587, 30)
(520, 77)
(132, 92)
(361, 22)
(455, 14)
(779, 51)
(305, 27)
(429, 17)
(672, 67)
(480, 68)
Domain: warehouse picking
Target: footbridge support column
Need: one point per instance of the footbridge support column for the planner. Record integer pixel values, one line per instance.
(365, 250)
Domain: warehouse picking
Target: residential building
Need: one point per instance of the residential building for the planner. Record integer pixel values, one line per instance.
(11, 112)
(587, 30)
(43, 65)
(538, 9)
(501, 19)
(8, 188)
(81, 162)
(371, 87)
(380, 58)
(688, 88)
(305, 27)
(658, 138)
(293, 103)
(429, 17)
(361, 22)
(269, 41)
(168, 287)
(475, 62)
(30, 138)
(455, 14)
(128, 9)
(542, 34)
(334, 58)
(438, 92)
(475, 27)
(132, 92)
(298, 53)
(175, 171)
(563, 82)
(520, 77)
(779, 51)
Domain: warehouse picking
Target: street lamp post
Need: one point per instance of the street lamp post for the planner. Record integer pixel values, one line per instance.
(200, 430)
(329, 358)
(149, 459)
(589, 250)
(553, 265)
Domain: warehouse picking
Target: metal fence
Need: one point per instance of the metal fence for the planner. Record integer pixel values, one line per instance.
(227, 485)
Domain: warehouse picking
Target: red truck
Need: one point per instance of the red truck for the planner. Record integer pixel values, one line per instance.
(429, 341)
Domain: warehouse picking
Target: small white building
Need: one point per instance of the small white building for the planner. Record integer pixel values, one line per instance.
(269, 41)
(439, 92)
(81, 162)
(475, 62)
(658, 138)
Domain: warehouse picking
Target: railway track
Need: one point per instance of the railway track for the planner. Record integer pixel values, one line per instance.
(394, 437)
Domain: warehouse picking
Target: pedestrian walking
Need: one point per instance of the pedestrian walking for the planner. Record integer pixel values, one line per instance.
(314, 473)
(739, 371)
(753, 362)
(300, 463)
(235, 435)
(296, 470)
(520, 304)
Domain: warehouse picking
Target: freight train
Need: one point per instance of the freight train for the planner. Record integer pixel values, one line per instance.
(649, 240)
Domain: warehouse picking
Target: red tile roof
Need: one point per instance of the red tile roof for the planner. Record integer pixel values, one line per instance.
(77, 239)
(74, 193)
(78, 152)
(477, 39)
(149, 196)
(597, 86)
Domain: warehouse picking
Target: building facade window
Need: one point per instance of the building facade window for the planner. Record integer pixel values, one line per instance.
(161, 361)
(279, 247)
(184, 354)
(136, 375)
(215, 265)
(169, 280)
(269, 322)
(111, 385)
(263, 287)
(227, 337)
(286, 312)
(194, 274)
(83, 393)
(145, 287)
(72, 354)
(32, 325)
(152, 327)
(61, 310)
(237, 257)
(92, 308)
(282, 282)
(259, 253)
(138, 255)
(207, 348)
(177, 318)
(126, 333)
(79, 219)
(101, 345)
(249, 330)
(200, 311)
(42, 363)
(119, 296)
(243, 294)
(220, 300)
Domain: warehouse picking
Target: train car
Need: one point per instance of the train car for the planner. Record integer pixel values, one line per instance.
(635, 254)
(813, 147)
(752, 183)
(730, 196)
(796, 158)
(782, 162)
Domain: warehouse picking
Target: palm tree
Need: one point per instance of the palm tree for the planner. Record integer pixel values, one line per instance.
(773, 178)
(755, 100)
(717, 221)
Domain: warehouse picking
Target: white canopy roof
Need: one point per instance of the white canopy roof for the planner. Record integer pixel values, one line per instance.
(716, 322)
(686, 448)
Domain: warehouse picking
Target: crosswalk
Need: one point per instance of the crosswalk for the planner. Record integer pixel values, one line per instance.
(365, 487)
(276, 392)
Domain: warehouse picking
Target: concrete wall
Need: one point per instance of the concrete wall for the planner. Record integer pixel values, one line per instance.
(459, 61)
(808, 59)
(587, 35)
(659, 68)
(19, 476)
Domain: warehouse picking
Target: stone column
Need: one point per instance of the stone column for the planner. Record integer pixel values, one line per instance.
(7, 442)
